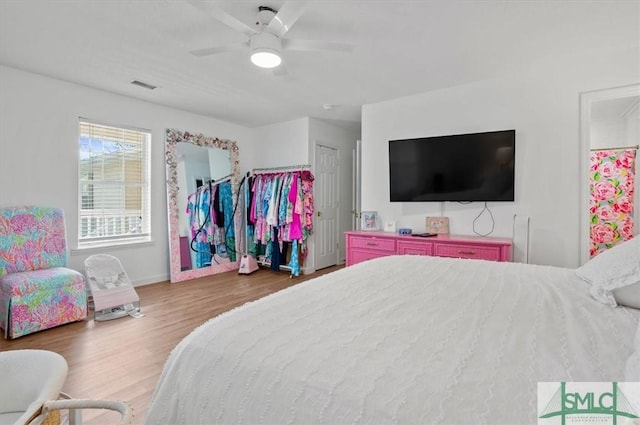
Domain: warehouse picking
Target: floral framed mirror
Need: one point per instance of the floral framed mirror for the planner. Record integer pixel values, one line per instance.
(202, 186)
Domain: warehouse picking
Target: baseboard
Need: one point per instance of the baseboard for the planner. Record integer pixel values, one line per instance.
(151, 279)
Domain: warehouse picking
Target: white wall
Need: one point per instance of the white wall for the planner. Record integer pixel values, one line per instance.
(39, 154)
(543, 106)
(614, 123)
(633, 125)
(219, 163)
(279, 145)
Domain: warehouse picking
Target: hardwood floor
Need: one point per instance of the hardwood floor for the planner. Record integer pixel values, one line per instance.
(122, 359)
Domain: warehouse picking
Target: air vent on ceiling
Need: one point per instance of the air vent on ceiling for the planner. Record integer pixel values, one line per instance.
(142, 84)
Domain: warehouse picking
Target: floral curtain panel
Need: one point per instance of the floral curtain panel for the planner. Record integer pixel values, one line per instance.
(611, 182)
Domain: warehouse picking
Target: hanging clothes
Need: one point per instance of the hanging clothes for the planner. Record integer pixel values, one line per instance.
(281, 216)
(295, 200)
(275, 251)
(294, 263)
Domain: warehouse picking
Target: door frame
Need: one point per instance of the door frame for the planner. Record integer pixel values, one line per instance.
(587, 100)
(316, 144)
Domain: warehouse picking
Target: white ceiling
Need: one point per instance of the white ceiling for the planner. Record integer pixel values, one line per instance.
(401, 48)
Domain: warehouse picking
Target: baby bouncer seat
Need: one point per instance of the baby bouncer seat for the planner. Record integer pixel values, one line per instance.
(111, 288)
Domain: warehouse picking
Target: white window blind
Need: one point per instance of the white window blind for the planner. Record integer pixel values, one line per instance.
(113, 184)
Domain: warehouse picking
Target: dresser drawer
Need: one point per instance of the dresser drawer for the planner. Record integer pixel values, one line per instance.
(357, 256)
(415, 248)
(375, 244)
(492, 253)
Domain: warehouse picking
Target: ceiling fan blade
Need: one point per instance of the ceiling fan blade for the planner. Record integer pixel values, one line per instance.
(315, 45)
(286, 17)
(218, 13)
(220, 49)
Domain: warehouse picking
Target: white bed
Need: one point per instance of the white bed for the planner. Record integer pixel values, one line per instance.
(402, 339)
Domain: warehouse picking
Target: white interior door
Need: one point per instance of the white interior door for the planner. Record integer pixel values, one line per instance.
(355, 185)
(326, 206)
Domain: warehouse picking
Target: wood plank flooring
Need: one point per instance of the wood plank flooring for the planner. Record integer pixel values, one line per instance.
(122, 359)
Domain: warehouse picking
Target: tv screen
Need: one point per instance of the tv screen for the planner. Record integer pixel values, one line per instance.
(460, 167)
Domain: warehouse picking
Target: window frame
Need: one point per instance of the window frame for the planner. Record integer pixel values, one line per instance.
(145, 236)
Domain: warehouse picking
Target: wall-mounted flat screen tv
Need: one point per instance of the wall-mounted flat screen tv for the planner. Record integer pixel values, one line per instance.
(460, 167)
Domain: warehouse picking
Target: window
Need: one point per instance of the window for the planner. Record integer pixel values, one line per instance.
(113, 185)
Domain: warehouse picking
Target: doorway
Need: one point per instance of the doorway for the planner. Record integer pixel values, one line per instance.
(326, 205)
(609, 118)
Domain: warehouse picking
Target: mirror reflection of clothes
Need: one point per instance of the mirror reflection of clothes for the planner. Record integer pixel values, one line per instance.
(224, 220)
(210, 210)
(201, 224)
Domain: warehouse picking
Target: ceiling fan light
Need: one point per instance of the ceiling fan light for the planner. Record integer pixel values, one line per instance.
(265, 58)
(265, 50)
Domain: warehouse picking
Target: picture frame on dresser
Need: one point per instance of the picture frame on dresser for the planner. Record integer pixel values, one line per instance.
(439, 225)
(369, 220)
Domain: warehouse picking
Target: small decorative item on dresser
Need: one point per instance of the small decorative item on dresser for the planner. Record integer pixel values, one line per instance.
(369, 220)
(438, 225)
(389, 226)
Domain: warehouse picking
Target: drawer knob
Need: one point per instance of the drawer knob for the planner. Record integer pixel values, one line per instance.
(466, 252)
(372, 244)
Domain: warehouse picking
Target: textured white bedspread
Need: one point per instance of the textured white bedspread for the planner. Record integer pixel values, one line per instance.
(406, 339)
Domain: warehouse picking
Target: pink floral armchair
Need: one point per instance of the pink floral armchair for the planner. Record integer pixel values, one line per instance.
(37, 290)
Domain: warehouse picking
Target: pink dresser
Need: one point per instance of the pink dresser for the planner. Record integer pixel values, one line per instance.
(363, 246)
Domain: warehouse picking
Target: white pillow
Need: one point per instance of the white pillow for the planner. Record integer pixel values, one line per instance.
(628, 295)
(618, 267)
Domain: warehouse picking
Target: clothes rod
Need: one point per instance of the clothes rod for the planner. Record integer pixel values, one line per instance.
(288, 168)
(206, 183)
(636, 147)
(222, 179)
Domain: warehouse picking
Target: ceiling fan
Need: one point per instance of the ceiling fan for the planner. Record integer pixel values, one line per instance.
(266, 42)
